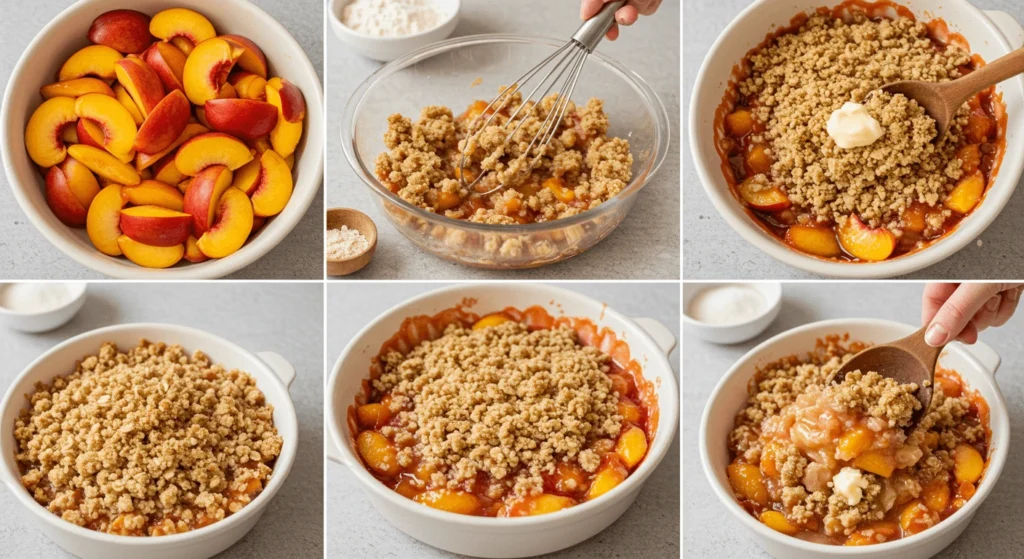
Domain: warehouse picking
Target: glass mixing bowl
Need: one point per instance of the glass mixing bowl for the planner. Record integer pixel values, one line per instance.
(457, 72)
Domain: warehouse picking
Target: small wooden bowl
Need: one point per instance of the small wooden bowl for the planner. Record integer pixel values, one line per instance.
(353, 219)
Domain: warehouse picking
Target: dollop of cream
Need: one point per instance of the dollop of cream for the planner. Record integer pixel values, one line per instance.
(850, 484)
(852, 127)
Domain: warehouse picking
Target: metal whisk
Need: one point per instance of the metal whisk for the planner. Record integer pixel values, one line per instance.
(567, 61)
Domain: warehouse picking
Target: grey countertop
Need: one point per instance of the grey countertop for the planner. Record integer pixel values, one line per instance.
(645, 246)
(714, 251)
(284, 318)
(650, 528)
(26, 254)
(711, 531)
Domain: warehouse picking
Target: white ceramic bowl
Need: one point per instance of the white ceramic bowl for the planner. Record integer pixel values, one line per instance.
(386, 49)
(976, 364)
(737, 332)
(990, 34)
(649, 343)
(64, 35)
(35, 322)
(273, 376)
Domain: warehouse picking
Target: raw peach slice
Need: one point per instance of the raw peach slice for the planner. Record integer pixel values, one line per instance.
(227, 91)
(257, 224)
(183, 185)
(191, 131)
(82, 181)
(169, 64)
(207, 69)
(819, 241)
(252, 59)
(865, 243)
(192, 252)
(76, 88)
(186, 46)
(44, 133)
(544, 503)
(103, 223)
(763, 197)
(69, 134)
(201, 117)
(249, 85)
(154, 193)
(209, 149)
(181, 22)
(62, 201)
(149, 256)
(125, 31)
(89, 133)
(165, 124)
(231, 227)
(247, 177)
(967, 193)
(203, 196)
(122, 96)
(166, 171)
(155, 226)
(93, 60)
(290, 160)
(273, 189)
(291, 108)
(119, 129)
(105, 165)
(141, 82)
(244, 118)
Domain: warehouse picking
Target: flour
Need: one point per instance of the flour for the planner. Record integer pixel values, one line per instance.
(392, 18)
(727, 304)
(345, 243)
(34, 297)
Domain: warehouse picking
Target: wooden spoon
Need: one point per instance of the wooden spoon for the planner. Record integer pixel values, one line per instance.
(942, 100)
(909, 360)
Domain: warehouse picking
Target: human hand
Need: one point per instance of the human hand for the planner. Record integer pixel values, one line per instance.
(959, 311)
(626, 15)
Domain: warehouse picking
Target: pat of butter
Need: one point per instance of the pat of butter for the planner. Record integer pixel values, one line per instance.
(850, 484)
(852, 127)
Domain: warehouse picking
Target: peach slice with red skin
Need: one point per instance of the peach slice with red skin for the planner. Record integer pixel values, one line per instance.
(141, 82)
(865, 243)
(149, 256)
(184, 45)
(105, 165)
(247, 177)
(168, 62)
(126, 31)
(93, 60)
(76, 88)
(44, 133)
(231, 227)
(192, 252)
(81, 180)
(154, 193)
(191, 131)
(252, 59)
(291, 108)
(118, 127)
(819, 241)
(89, 133)
(122, 96)
(62, 201)
(764, 198)
(202, 196)
(181, 23)
(207, 69)
(165, 124)
(249, 85)
(166, 171)
(244, 118)
(273, 188)
(213, 148)
(103, 223)
(227, 91)
(155, 225)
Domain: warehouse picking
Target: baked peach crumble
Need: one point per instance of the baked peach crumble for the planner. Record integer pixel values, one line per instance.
(580, 169)
(147, 442)
(839, 464)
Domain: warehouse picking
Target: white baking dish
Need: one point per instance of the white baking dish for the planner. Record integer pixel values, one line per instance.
(976, 364)
(649, 343)
(273, 376)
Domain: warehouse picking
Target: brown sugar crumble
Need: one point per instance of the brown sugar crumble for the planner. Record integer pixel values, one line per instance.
(146, 442)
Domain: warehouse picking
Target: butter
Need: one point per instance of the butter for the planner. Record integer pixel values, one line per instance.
(852, 127)
(850, 484)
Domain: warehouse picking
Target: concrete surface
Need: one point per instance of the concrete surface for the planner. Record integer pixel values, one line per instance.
(645, 246)
(649, 528)
(26, 254)
(292, 523)
(709, 530)
(714, 251)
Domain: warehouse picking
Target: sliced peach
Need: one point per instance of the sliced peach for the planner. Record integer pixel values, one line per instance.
(227, 91)
(184, 45)
(122, 96)
(209, 149)
(257, 224)
(168, 62)
(89, 133)
(181, 22)
(44, 133)
(155, 226)
(125, 31)
(459, 502)
(119, 128)
(291, 108)
(632, 446)
(247, 177)
(876, 462)
(244, 118)
(967, 194)
(154, 193)
(191, 131)
(207, 69)
(202, 198)
(249, 85)
(273, 189)
(165, 124)
(62, 201)
(763, 197)
(968, 464)
(105, 165)
(76, 88)
(201, 117)
(69, 134)
(757, 160)
(231, 227)
(149, 256)
(739, 123)
(81, 180)
(544, 503)
(103, 223)
(166, 171)
(192, 252)
(607, 478)
(819, 241)
(183, 185)
(290, 160)
(93, 60)
(862, 242)
(747, 481)
(252, 59)
(141, 82)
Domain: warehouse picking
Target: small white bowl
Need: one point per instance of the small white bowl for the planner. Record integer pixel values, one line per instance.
(386, 49)
(273, 375)
(737, 332)
(35, 322)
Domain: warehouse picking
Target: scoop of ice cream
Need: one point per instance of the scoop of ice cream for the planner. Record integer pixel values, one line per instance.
(852, 127)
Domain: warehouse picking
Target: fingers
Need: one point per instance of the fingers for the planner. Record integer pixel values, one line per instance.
(645, 7)
(589, 8)
(1009, 305)
(935, 295)
(613, 33)
(627, 15)
(969, 335)
(958, 311)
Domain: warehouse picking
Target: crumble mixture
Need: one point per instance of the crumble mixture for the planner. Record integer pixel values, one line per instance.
(146, 442)
(500, 400)
(799, 79)
(422, 164)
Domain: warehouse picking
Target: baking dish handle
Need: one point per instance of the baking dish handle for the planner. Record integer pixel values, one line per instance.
(332, 452)
(1009, 26)
(985, 355)
(281, 367)
(665, 339)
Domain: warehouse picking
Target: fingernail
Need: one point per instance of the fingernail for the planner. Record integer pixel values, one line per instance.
(1013, 294)
(936, 335)
(993, 304)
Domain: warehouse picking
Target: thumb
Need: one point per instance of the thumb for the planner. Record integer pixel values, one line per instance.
(958, 311)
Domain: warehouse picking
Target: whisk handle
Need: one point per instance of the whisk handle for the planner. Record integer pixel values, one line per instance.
(594, 29)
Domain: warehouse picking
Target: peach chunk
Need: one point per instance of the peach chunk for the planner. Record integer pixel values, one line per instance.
(209, 149)
(232, 225)
(968, 465)
(979, 128)
(249, 85)
(458, 502)
(155, 226)
(207, 69)
(169, 64)
(143, 160)
(165, 123)
(967, 194)
(227, 91)
(105, 165)
(252, 59)
(192, 252)
(875, 462)
(203, 196)
(141, 82)
(82, 181)
(568, 478)
(103, 223)
(757, 160)
(181, 22)
(607, 478)
(862, 242)
(632, 446)
(291, 108)
(819, 241)
(154, 193)
(556, 185)
(739, 123)
(372, 416)
(126, 31)
(244, 118)
(540, 504)
(43, 135)
(914, 218)
(247, 177)
(777, 521)
(62, 201)
(970, 158)
(273, 189)
(76, 88)
(747, 481)
(122, 96)
(119, 130)
(854, 443)
(490, 320)
(936, 495)
(916, 517)
(93, 60)
(763, 197)
(629, 411)
(166, 171)
(150, 256)
(376, 450)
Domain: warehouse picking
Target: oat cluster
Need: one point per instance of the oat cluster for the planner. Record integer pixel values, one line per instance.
(146, 442)
(799, 79)
(871, 394)
(503, 401)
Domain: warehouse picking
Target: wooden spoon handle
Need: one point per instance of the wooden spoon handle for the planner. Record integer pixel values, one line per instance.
(1004, 68)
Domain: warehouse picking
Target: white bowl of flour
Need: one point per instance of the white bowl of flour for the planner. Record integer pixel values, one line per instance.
(386, 29)
(39, 306)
